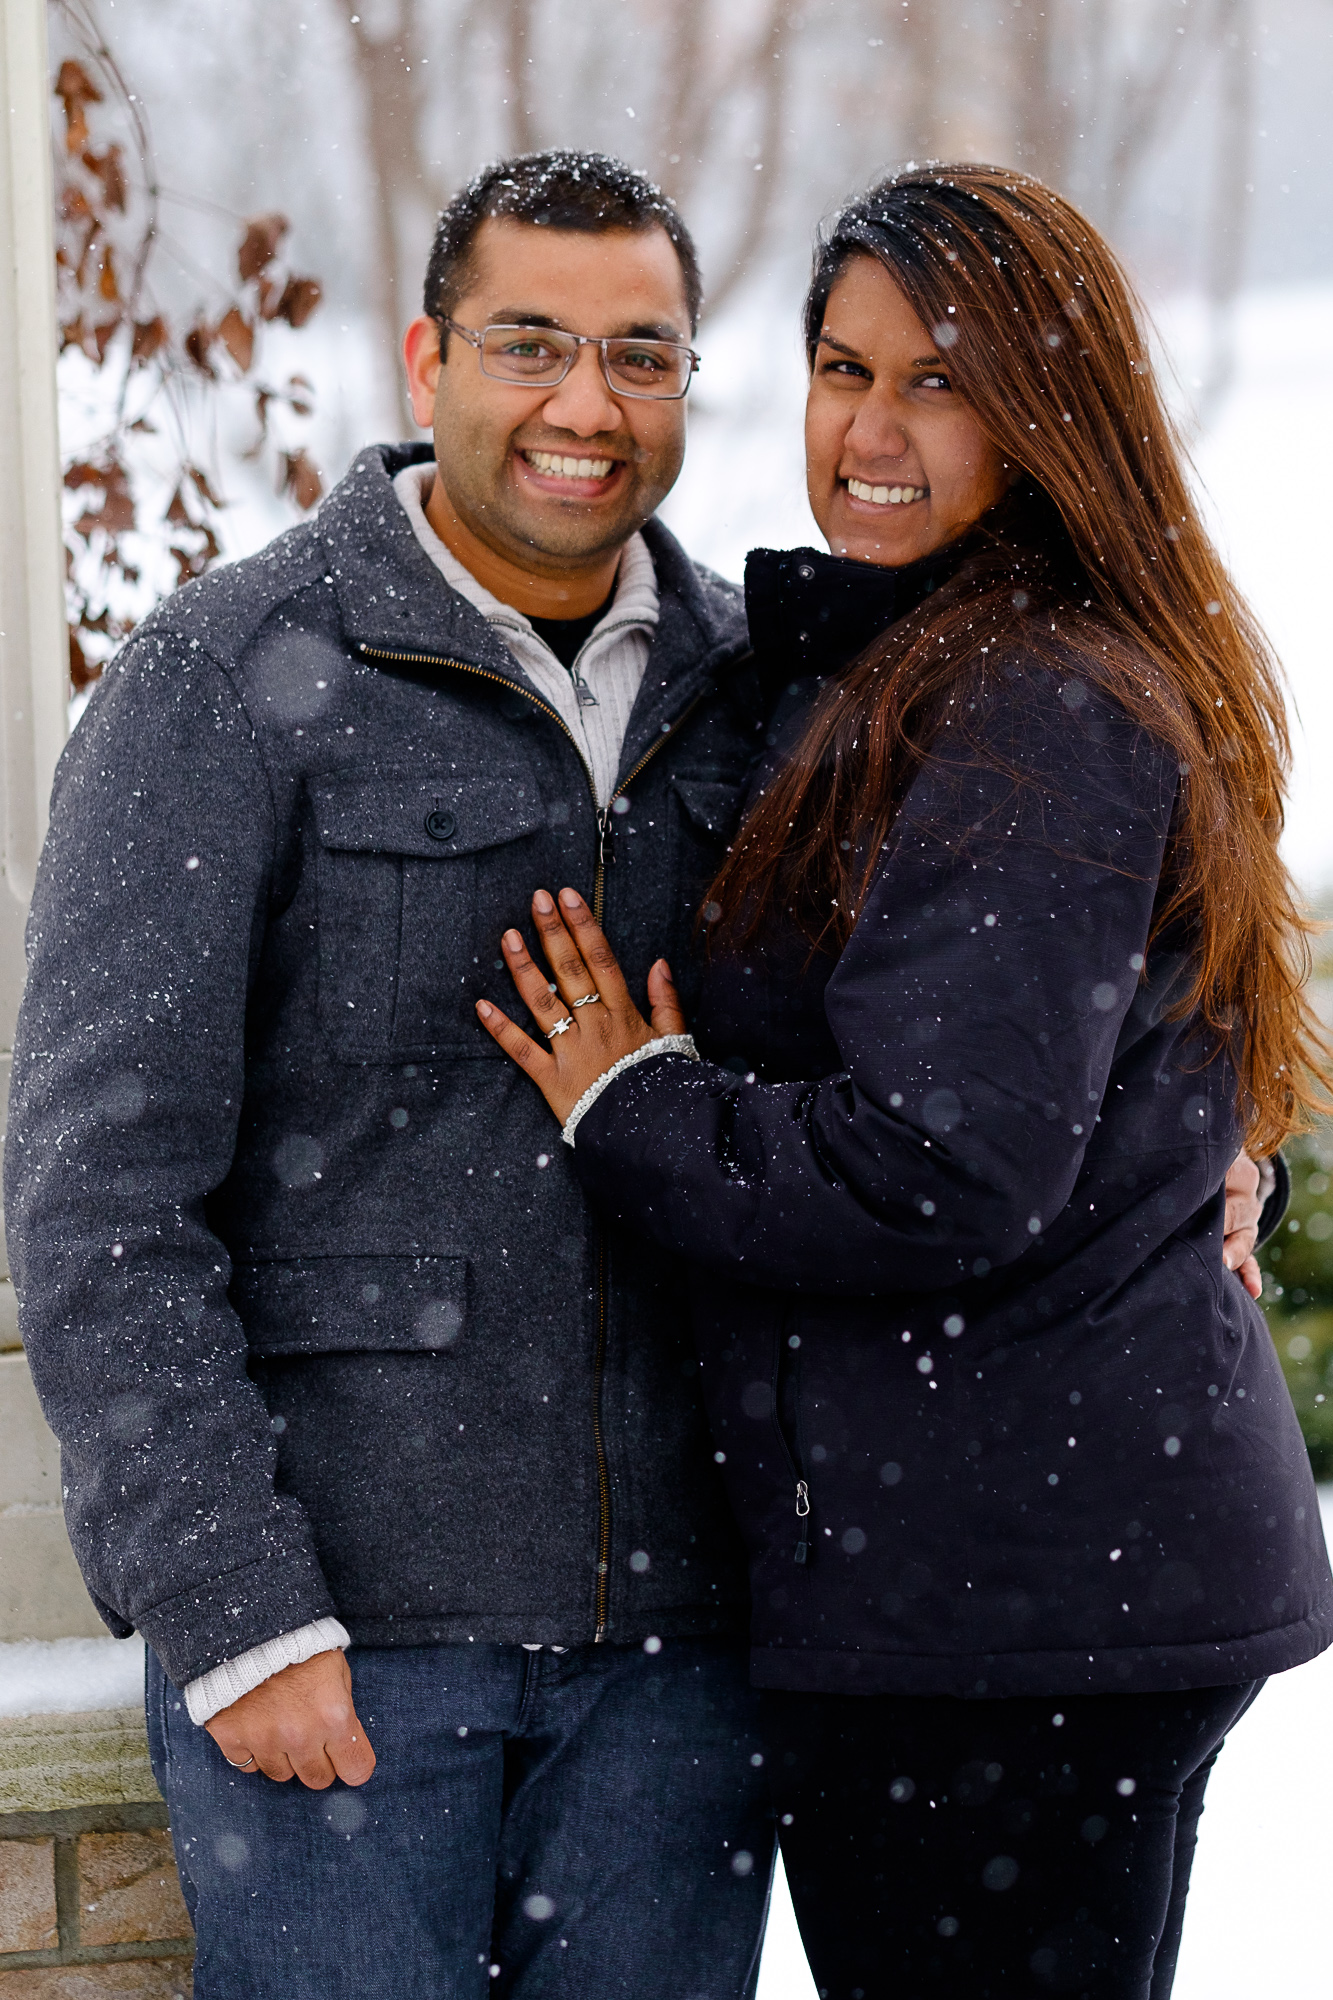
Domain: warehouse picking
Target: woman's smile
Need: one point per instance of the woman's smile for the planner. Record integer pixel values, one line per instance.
(879, 495)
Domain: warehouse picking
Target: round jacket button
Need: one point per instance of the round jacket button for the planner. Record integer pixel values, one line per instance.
(441, 825)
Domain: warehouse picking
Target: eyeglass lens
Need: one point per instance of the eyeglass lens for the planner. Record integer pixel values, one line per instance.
(535, 355)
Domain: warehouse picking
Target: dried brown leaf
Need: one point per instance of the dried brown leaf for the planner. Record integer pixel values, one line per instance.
(197, 343)
(238, 337)
(259, 245)
(81, 473)
(103, 335)
(177, 513)
(106, 283)
(109, 168)
(193, 562)
(76, 90)
(118, 508)
(82, 671)
(299, 300)
(200, 480)
(74, 204)
(150, 337)
(301, 479)
(92, 243)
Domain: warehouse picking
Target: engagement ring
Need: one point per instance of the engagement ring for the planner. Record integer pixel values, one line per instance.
(561, 1027)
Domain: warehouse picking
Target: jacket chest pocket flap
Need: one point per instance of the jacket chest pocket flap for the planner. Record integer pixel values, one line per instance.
(349, 1305)
(402, 864)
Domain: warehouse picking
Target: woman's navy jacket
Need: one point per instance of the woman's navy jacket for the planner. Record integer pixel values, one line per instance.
(955, 1207)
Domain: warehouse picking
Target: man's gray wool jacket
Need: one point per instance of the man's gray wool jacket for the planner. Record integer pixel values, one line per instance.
(312, 1298)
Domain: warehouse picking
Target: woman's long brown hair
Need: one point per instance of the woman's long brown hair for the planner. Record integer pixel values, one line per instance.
(1041, 335)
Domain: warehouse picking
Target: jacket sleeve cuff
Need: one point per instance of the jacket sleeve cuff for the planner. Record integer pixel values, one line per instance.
(665, 1045)
(222, 1685)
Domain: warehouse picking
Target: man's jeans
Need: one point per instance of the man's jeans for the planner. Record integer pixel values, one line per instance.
(584, 1824)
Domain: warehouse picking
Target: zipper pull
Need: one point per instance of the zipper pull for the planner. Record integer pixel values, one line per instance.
(605, 855)
(803, 1516)
(583, 693)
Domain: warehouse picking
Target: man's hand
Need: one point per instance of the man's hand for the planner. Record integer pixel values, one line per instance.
(1244, 1208)
(298, 1724)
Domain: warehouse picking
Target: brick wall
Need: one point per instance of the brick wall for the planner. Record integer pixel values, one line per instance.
(90, 1903)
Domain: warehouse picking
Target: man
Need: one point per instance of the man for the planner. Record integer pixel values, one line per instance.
(334, 1351)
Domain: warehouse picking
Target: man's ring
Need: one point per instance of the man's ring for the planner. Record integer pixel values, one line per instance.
(588, 1000)
(561, 1027)
(241, 1767)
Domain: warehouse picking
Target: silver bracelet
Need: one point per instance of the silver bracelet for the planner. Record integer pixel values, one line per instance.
(665, 1045)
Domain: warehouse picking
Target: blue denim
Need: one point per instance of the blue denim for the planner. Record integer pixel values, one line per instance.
(539, 1825)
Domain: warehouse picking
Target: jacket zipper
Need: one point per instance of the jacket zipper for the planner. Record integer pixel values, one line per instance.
(792, 1453)
(602, 815)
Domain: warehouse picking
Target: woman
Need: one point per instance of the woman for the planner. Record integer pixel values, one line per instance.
(1003, 965)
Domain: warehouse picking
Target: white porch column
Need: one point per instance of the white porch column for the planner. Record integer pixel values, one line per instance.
(33, 645)
(41, 1594)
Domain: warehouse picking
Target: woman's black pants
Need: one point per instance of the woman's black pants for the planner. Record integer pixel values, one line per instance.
(993, 1850)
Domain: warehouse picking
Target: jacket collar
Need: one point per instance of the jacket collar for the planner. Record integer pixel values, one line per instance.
(812, 613)
(393, 601)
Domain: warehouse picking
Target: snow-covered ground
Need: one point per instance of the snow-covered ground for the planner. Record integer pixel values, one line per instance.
(1257, 1922)
(64, 1676)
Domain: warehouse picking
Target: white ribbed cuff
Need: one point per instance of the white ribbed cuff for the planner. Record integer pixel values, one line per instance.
(665, 1045)
(221, 1686)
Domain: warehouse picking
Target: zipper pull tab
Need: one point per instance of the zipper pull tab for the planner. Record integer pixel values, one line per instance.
(803, 1516)
(583, 693)
(605, 854)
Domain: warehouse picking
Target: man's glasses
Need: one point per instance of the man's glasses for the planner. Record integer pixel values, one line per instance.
(537, 357)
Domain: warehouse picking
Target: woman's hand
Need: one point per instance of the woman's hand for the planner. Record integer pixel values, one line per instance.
(592, 997)
(1241, 1228)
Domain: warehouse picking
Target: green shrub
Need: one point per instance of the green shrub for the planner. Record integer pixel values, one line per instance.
(1298, 1292)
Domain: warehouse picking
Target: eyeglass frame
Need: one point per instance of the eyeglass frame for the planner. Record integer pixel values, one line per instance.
(476, 336)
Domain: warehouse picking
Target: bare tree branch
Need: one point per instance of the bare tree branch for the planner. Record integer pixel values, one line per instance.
(1146, 100)
(518, 68)
(1044, 120)
(1228, 222)
(769, 69)
(919, 27)
(686, 105)
(389, 69)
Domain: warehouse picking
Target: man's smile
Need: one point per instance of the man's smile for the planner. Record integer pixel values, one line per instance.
(573, 476)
